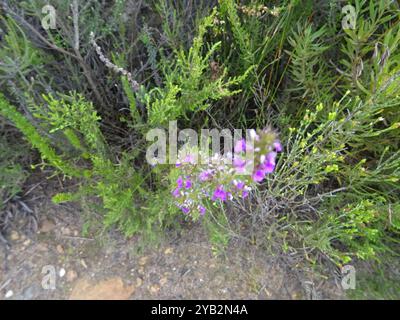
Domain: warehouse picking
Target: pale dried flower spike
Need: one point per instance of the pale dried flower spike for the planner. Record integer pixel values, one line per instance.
(112, 66)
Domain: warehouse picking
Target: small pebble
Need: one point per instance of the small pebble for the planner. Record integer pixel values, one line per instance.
(83, 263)
(66, 231)
(47, 226)
(154, 289)
(62, 272)
(139, 282)
(60, 249)
(9, 294)
(71, 275)
(163, 281)
(143, 261)
(14, 236)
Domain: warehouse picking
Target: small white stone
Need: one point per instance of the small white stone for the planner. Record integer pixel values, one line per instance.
(9, 294)
(62, 272)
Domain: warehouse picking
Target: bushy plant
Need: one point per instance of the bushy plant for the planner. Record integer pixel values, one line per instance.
(332, 92)
(222, 178)
(189, 86)
(118, 185)
(12, 173)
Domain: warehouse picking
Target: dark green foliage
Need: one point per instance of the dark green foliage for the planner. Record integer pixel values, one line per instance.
(332, 94)
(12, 174)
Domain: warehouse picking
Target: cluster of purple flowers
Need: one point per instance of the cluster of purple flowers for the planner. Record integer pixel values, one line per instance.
(264, 153)
(221, 180)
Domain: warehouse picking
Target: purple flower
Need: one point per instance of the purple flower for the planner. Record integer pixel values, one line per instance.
(197, 184)
(176, 193)
(179, 181)
(271, 157)
(188, 159)
(185, 210)
(188, 184)
(240, 185)
(205, 175)
(219, 193)
(269, 163)
(240, 146)
(269, 167)
(277, 145)
(239, 164)
(258, 175)
(202, 210)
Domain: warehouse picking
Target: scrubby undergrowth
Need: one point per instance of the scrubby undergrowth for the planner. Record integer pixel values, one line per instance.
(85, 94)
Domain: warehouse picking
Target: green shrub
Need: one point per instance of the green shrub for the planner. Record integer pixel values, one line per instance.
(189, 86)
(340, 132)
(118, 185)
(12, 173)
(332, 94)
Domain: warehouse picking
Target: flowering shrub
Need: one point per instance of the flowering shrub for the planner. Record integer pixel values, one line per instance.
(224, 177)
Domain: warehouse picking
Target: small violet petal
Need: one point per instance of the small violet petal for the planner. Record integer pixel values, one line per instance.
(258, 175)
(185, 210)
(240, 146)
(277, 146)
(202, 210)
(179, 181)
(176, 193)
